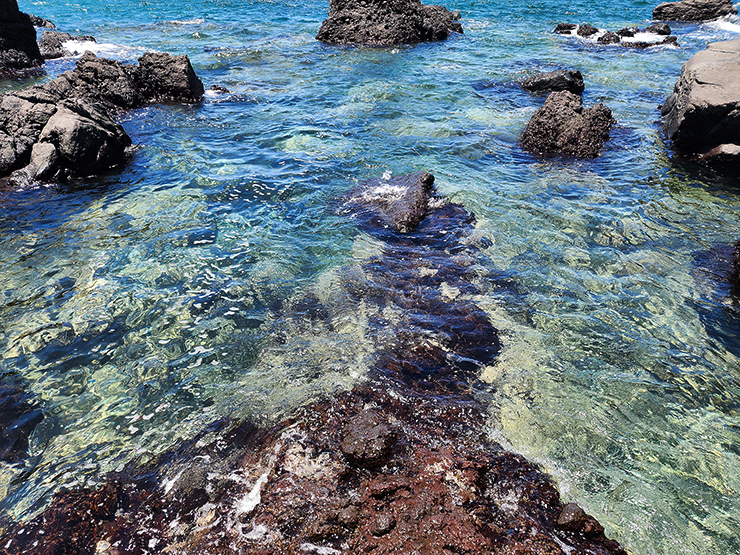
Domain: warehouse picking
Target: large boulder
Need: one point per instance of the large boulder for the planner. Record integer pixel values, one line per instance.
(385, 23)
(693, 10)
(703, 112)
(166, 78)
(18, 47)
(563, 126)
(561, 80)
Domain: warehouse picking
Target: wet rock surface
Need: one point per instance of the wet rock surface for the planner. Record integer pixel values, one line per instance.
(563, 126)
(562, 80)
(620, 37)
(703, 112)
(399, 464)
(18, 48)
(67, 127)
(51, 44)
(693, 10)
(380, 23)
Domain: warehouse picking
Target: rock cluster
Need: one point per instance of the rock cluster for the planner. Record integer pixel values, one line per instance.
(18, 47)
(67, 127)
(702, 115)
(563, 126)
(693, 10)
(617, 37)
(399, 464)
(386, 23)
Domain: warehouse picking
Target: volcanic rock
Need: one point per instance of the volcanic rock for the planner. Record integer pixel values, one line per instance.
(565, 28)
(609, 38)
(75, 112)
(703, 112)
(18, 47)
(628, 32)
(367, 439)
(561, 80)
(658, 29)
(563, 126)
(51, 44)
(586, 30)
(693, 10)
(382, 23)
(41, 22)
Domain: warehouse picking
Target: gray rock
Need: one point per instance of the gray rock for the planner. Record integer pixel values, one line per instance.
(18, 48)
(586, 30)
(703, 111)
(383, 23)
(609, 38)
(45, 161)
(628, 32)
(87, 140)
(563, 126)
(560, 80)
(166, 78)
(41, 22)
(51, 44)
(693, 10)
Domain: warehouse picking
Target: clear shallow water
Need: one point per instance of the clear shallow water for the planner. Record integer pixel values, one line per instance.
(166, 295)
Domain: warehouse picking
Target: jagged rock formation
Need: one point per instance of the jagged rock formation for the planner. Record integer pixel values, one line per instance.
(702, 115)
(563, 126)
(385, 23)
(18, 48)
(693, 10)
(67, 126)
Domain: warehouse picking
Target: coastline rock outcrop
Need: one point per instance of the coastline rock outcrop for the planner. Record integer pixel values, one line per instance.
(66, 127)
(381, 23)
(402, 463)
(18, 47)
(622, 36)
(51, 44)
(703, 112)
(561, 80)
(563, 126)
(693, 10)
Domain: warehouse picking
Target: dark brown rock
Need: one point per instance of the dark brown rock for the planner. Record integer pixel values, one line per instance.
(609, 38)
(367, 440)
(703, 111)
(562, 80)
(18, 48)
(586, 30)
(563, 126)
(565, 28)
(382, 23)
(628, 32)
(693, 10)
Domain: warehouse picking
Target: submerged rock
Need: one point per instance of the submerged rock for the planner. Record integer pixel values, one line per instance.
(561, 80)
(19, 415)
(693, 10)
(381, 23)
(402, 463)
(703, 112)
(18, 48)
(563, 126)
(73, 115)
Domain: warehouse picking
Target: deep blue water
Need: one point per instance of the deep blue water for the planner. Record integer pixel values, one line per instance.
(146, 304)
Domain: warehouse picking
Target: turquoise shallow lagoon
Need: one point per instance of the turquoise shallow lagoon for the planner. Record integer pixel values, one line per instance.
(146, 303)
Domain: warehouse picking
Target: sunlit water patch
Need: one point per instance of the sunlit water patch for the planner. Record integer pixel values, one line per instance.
(144, 304)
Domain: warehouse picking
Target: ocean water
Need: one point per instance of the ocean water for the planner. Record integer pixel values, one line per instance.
(146, 303)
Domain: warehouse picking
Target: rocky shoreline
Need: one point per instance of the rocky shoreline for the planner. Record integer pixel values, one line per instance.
(399, 464)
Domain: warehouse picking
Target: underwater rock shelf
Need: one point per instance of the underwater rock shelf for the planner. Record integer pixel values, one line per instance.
(399, 464)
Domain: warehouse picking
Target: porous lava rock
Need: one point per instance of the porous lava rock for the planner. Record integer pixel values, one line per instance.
(703, 111)
(18, 47)
(401, 463)
(67, 126)
(563, 126)
(386, 23)
(51, 44)
(693, 10)
(560, 80)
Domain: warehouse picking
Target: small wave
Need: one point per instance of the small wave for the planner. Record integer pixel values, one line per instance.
(78, 47)
(194, 21)
(728, 23)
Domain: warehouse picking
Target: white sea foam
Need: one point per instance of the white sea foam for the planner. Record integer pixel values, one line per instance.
(194, 21)
(109, 50)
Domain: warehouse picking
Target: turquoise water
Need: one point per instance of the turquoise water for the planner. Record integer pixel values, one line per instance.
(158, 298)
